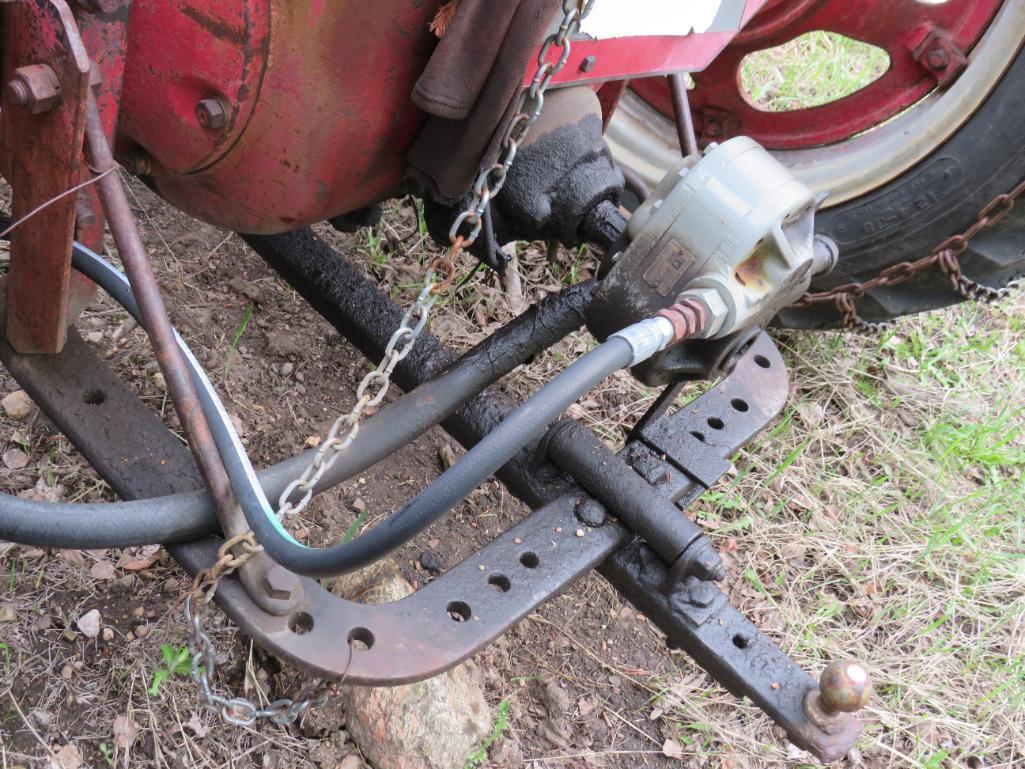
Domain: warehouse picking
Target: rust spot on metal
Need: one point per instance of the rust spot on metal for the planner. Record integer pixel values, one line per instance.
(751, 272)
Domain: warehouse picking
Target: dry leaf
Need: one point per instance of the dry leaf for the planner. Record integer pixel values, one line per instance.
(139, 558)
(125, 732)
(672, 749)
(15, 459)
(196, 726)
(102, 570)
(68, 757)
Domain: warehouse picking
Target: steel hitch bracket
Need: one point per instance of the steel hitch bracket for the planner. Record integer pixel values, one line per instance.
(671, 460)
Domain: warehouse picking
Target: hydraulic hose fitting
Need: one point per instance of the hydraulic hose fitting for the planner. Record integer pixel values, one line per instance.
(689, 317)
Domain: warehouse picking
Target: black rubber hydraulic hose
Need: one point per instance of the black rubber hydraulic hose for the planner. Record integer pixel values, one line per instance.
(189, 515)
(626, 348)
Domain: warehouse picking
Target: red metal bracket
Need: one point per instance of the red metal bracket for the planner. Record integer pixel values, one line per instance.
(41, 157)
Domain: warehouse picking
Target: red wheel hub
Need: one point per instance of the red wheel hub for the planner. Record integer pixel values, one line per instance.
(927, 45)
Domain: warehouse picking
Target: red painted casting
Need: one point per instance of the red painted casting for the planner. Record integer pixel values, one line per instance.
(314, 100)
(926, 45)
(628, 57)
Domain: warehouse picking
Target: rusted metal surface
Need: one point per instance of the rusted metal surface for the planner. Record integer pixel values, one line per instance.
(453, 616)
(103, 25)
(315, 127)
(41, 157)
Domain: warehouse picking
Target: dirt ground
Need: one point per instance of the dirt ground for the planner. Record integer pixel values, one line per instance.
(858, 526)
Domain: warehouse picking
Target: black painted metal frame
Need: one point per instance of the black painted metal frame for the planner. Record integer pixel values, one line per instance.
(420, 636)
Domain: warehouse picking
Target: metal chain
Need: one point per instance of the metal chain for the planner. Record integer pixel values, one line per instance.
(343, 432)
(944, 255)
(236, 710)
(532, 100)
(371, 392)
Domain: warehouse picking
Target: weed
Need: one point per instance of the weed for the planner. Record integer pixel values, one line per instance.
(480, 755)
(246, 317)
(354, 527)
(107, 755)
(177, 662)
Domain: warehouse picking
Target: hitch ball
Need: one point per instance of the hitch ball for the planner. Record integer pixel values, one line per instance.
(733, 230)
(844, 687)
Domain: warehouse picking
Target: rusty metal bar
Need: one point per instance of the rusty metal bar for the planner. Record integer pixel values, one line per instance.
(684, 119)
(158, 326)
(172, 363)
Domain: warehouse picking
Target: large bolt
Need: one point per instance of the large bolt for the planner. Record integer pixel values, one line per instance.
(844, 687)
(35, 87)
(281, 584)
(212, 113)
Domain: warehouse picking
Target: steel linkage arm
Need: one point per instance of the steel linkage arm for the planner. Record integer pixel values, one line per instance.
(474, 602)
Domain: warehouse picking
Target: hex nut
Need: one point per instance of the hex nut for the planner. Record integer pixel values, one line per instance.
(35, 87)
(212, 113)
(280, 583)
(938, 59)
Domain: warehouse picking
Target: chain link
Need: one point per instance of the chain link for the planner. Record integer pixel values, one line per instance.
(528, 109)
(236, 710)
(370, 393)
(944, 256)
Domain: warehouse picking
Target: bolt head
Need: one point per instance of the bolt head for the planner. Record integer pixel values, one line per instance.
(588, 63)
(212, 113)
(280, 583)
(844, 687)
(36, 87)
(937, 59)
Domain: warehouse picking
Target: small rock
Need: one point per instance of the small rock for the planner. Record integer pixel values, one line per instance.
(313, 441)
(108, 634)
(286, 368)
(8, 612)
(89, 623)
(432, 562)
(42, 718)
(142, 631)
(351, 762)
(17, 405)
(94, 337)
(159, 381)
(576, 411)
(359, 505)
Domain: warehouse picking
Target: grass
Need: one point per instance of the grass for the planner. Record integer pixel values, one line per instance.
(813, 69)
